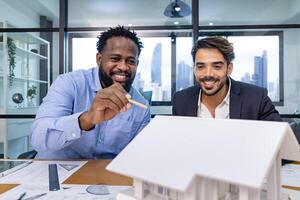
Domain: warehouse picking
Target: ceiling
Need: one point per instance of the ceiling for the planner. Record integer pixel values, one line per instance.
(92, 13)
(150, 12)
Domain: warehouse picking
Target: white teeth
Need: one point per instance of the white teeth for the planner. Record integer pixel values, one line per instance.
(208, 82)
(119, 76)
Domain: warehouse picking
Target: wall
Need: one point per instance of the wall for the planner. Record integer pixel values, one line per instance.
(14, 12)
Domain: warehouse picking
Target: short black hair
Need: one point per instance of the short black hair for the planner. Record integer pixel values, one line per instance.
(215, 42)
(119, 31)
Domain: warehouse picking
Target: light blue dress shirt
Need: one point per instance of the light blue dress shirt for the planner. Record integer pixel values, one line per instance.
(55, 133)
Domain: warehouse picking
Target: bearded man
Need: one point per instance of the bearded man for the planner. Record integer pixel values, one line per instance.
(86, 113)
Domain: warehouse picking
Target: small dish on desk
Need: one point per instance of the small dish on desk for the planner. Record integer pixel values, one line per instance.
(97, 189)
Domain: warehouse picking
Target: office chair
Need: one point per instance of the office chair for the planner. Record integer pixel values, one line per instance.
(148, 96)
(27, 155)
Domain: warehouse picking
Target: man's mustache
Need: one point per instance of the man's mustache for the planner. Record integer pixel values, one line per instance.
(208, 78)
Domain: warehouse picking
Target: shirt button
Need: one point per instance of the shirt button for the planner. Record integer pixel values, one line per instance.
(73, 134)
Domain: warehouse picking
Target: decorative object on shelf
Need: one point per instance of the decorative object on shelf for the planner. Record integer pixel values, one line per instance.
(11, 46)
(34, 50)
(17, 98)
(31, 93)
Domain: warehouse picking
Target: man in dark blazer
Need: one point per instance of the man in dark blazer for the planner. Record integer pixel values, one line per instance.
(217, 95)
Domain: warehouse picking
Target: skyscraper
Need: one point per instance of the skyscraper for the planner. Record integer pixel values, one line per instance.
(246, 78)
(156, 65)
(184, 76)
(265, 69)
(260, 75)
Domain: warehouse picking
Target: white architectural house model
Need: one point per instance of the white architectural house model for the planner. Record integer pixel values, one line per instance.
(186, 158)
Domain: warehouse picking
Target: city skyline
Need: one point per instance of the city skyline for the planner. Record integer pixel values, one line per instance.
(154, 71)
(184, 75)
(260, 76)
(156, 64)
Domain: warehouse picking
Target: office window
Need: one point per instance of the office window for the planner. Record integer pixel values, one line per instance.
(154, 70)
(84, 59)
(258, 60)
(184, 63)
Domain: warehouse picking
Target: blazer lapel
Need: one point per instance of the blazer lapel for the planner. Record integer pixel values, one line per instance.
(193, 102)
(235, 104)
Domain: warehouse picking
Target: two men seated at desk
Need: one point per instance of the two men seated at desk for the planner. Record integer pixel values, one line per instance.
(86, 113)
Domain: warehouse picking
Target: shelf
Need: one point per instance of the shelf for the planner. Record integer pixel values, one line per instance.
(29, 66)
(27, 38)
(20, 79)
(23, 52)
(28, 79)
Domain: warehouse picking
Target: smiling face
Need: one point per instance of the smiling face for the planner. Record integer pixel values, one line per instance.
(118, 62)
(212, 72)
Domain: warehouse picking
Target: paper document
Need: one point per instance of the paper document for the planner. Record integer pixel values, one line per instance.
(290, 174)
(67, 192)
(37, 173)
(34, 182)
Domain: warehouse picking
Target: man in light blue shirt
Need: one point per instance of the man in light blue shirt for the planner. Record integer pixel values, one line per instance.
(86, 113)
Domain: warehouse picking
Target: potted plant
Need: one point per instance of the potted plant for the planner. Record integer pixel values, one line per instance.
(31, 93)
(11, 47)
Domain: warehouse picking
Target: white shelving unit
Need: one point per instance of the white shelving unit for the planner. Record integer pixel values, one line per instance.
(27, 74)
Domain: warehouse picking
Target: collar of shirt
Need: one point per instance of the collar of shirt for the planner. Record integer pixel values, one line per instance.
(222, 110)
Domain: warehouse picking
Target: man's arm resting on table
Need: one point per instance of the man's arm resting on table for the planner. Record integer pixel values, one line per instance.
(56, 126)
(52, 134)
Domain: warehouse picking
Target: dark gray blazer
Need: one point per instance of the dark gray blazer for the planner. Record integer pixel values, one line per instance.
(246, 102)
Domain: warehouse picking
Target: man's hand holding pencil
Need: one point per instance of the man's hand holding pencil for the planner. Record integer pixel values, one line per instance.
(107, 103)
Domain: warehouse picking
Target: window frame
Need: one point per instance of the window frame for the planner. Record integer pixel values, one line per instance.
(279, 33)
(188, 33)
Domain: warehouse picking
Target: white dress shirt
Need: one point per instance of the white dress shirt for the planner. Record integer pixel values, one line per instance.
(222, 110)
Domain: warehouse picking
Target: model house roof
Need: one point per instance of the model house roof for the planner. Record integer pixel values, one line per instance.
(171, 151)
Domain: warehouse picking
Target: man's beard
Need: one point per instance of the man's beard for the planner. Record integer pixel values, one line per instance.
(107, 81)
(210, 78)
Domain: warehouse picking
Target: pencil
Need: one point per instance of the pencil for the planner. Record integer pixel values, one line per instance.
(22, 196)
(137, 103)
